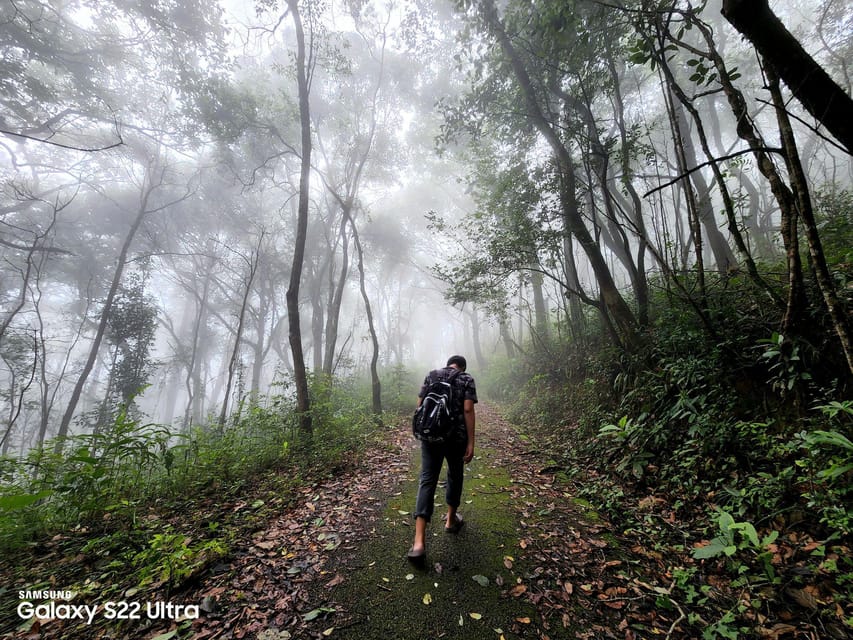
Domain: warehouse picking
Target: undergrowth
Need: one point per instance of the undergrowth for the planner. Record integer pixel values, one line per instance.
(727, 454)
(138, 509)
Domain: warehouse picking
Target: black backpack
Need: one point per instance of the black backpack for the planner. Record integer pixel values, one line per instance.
(433, 420)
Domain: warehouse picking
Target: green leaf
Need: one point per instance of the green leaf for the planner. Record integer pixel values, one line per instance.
(711, 550)
(315, 613)
(483, 581)
(21, 500)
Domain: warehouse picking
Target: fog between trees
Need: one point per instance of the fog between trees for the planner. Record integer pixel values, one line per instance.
(451, 177)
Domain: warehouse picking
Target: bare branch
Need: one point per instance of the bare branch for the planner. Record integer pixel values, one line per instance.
(710, 162)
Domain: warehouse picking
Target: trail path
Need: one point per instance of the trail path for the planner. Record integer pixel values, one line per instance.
(328, 560)
(527, 563)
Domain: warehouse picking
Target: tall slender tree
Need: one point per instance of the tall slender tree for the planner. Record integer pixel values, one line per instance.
(304, 70)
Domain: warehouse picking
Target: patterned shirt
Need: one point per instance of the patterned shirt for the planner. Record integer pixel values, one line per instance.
(464, 388)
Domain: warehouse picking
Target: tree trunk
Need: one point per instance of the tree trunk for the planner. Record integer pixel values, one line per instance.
(475, 338)
(636, 217)
(799, 183)
(375, 384)
(317, 325)
(238, 334)
(614, 303)
(724, 257)
(796, 302)
(260, 348)
(503, 327)
(806, 79)
(105, 314)
(193, 379)
(540, 308)
(336, 298)
(678, 135)
(300, 375)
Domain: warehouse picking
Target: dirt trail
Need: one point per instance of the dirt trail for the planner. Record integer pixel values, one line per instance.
(328, 560)
(335, 567)
(463, 589)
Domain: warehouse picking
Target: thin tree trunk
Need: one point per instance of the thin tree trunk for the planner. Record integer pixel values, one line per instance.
(193, 378)
(337, 296)
(375, 384)
(300, 375)
(799, 183)
(475, 338)
(796, 302)
(105, 314)
(260, 348)
(636, 217)
(238, 334)
(678, 134)
(540, 308)
(728, 205)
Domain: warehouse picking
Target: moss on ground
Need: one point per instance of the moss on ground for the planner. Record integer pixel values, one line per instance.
(466, 580)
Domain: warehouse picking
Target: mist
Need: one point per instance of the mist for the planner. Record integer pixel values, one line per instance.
(156, 200)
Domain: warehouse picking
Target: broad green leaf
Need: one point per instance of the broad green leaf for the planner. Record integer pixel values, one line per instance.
(21, 500)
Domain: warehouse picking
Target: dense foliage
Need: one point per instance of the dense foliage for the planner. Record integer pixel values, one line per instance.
(746, 439)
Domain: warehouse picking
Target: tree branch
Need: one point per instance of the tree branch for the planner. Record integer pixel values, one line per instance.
(710, 162)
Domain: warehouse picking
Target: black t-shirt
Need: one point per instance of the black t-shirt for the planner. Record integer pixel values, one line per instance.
(464, 388)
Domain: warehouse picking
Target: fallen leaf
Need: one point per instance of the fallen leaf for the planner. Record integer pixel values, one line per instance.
(427, 599)
(524, 620)
(334, 582)
(803, 598)
(776, 631)
(483, 581)
(476, 616)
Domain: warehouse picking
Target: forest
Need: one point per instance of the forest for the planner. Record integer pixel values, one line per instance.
(235, 235)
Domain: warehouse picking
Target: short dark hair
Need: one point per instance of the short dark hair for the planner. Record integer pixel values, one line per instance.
(458, 361)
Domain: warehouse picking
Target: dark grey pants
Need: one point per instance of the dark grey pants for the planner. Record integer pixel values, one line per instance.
(432, 458)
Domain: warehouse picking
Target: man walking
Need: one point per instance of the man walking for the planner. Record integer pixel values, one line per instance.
(457, 448)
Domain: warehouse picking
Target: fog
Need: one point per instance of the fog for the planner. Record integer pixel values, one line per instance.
(153, 188)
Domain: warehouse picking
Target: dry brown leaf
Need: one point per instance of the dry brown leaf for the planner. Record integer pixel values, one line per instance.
(776, 631)
(802, 598)
(334, 582)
